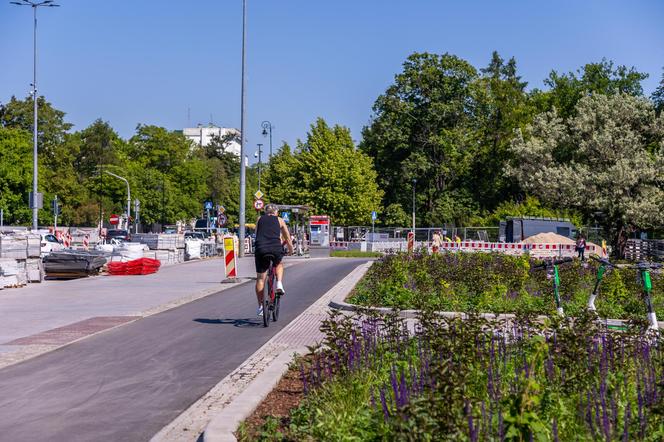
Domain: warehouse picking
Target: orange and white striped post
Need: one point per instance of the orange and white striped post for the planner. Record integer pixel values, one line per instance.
(230, 260)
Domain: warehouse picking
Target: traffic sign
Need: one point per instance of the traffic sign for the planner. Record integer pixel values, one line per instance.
(222, 209)
(258, 204)
(285, 216)
(114, 220)
(208, 205)
(258, 195)
(222, 220)
(373, 216)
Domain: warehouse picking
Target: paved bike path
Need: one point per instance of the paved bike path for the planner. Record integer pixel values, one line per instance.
(127, 383)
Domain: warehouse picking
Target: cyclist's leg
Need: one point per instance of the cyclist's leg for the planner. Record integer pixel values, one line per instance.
(260, 285)
(262, 264)
(279, 273)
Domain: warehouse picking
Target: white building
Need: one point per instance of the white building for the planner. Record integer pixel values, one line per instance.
(202, 135)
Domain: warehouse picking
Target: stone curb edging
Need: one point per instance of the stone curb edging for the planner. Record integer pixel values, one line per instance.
(222, 426)
(339, 303)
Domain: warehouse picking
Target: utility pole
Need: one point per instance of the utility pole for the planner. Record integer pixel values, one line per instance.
(414, 183)
(243, 111)
(36, 201)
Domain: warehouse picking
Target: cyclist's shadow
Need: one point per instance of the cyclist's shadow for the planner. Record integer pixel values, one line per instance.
(237, 322)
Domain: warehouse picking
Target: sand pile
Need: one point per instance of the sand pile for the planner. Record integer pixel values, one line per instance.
(548, 238)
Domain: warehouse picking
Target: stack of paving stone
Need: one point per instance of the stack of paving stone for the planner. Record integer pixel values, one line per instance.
(168, 248)
(20, 261)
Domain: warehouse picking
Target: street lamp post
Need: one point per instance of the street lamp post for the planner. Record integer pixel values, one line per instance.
(267, 130)
(243, 183)
(128, 195)
(35, 200)
(259, 154)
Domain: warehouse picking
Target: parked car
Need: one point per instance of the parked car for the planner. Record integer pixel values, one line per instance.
(120, 235)
(49, 243)
(194, 235)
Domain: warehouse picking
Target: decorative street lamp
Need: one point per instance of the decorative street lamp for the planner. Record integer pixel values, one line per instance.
(267, 129)
(35, 197)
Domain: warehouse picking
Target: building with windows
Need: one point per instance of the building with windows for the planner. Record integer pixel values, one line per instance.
(203, 135)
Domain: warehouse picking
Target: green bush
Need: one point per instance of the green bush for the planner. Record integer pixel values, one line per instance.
(498, 283)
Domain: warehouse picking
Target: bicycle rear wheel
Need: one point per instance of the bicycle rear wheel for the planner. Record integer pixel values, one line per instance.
(268, 296)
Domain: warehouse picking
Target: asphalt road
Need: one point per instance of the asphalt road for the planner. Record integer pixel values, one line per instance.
(128, 383)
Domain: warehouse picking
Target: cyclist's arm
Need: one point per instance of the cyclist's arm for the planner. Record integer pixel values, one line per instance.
(286, 234)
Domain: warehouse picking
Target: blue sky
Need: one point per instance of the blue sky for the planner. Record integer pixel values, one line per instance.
(148, 61)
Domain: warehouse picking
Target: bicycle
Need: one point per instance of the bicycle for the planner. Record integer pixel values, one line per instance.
(271, 299)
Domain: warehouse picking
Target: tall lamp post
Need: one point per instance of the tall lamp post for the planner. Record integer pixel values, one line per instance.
(128, 195)
(243, 183)
(259, 155)
(35, 197)
(267, 130)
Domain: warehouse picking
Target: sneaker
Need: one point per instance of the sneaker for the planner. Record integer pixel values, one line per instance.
(280, 288)
(259, 311)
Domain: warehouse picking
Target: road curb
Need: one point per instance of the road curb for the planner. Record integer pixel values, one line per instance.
(261, 372)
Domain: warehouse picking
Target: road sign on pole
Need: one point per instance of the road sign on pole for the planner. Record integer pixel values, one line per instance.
(208, 205)
(258, 195)
(258, 204)
(222, 220)
(285, 216)
(114, 220)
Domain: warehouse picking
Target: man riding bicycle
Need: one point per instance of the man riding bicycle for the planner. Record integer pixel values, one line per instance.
(270, 230)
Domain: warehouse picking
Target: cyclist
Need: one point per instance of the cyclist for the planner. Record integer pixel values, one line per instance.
(270, 230)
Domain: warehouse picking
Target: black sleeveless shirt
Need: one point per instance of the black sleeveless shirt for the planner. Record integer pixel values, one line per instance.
(268, 234)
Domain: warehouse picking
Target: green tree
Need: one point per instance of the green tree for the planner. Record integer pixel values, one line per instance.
(422, 129)
(614, 168)
(15, 174)
(327, 173)
(565, 90)
(501, 106)
(51, 125)
(657, 97)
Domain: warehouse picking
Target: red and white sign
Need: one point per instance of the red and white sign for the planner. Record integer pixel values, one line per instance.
(258, 204)
(319, 220)
(114, 219)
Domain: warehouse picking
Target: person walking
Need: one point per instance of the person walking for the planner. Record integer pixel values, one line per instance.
(581, 246)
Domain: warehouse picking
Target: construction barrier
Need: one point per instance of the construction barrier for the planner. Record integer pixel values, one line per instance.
(230, 258)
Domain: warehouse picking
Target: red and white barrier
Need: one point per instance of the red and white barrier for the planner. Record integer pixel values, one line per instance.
(536, 250)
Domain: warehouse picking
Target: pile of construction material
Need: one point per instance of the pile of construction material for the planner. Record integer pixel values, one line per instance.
(168, 248)
(197, 249)
(83, 238)
(644, 250)
(70, 264)
(20, 261)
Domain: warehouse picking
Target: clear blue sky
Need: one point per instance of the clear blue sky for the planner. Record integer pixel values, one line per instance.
(144, 61)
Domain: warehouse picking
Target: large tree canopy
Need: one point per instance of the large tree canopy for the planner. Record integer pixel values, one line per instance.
(327, 173)
(614, 166)
(421, 130)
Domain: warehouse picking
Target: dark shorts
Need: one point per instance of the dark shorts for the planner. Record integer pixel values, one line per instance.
(262, 260)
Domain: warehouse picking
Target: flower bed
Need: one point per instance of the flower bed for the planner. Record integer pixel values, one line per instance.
(497, 283)
(476, 380)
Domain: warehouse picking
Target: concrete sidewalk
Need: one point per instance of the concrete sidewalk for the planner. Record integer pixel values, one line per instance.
(38, 308)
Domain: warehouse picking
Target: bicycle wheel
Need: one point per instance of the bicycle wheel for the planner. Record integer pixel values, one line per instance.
(268, 296)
